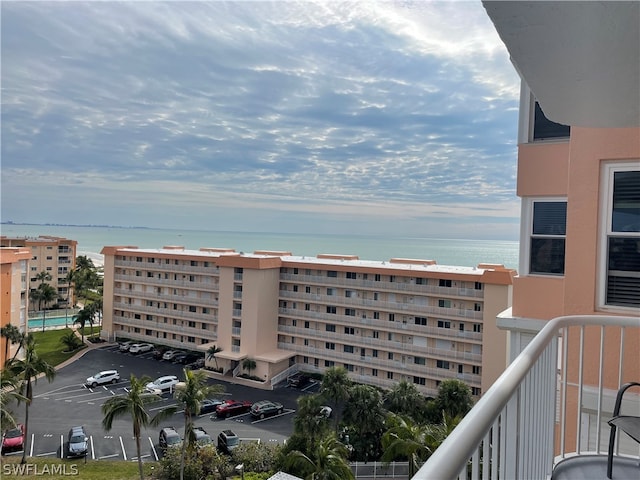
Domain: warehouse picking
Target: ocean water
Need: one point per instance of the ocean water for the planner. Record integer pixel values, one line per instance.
(469, 252)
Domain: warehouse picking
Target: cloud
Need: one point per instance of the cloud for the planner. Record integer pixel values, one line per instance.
(306, 112)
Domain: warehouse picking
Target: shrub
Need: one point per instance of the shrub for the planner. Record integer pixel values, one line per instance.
(257, 457)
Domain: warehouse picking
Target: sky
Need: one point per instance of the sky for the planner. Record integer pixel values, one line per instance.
(361, 117)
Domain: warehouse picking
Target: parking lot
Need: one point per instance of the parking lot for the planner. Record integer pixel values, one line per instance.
(67, 402)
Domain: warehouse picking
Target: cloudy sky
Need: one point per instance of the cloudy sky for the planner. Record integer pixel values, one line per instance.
(314, 117)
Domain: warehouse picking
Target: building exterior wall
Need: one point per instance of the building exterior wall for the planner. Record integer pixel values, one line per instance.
(383, 321)
(14, 294)
(574, 169)
(54, 255)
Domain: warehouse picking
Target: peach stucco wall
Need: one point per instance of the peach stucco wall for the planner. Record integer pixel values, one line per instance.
(543, 169)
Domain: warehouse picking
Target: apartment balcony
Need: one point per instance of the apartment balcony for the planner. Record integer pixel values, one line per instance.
(541, 420)
(402, 284)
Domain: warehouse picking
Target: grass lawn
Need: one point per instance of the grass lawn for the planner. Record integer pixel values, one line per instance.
(50, 348)
(38, 468)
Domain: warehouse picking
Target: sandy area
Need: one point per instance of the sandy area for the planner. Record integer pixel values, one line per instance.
(98, 259)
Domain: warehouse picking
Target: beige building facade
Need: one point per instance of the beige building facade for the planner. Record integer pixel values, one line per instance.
(383, 321)
(14, 294)
(54, 255)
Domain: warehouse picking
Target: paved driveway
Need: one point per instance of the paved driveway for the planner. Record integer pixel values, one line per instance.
(66, 402)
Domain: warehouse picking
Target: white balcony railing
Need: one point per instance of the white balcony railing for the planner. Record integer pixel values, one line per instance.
(535, 415)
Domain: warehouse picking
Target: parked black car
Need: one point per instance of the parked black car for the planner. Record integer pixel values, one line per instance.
(299, 380)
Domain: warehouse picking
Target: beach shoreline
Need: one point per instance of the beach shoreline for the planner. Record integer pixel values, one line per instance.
(96, 258)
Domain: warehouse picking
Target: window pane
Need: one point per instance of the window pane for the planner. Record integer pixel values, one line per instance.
(547, 255)
(544, 128)
(549, 218)
(626, 202)
(623, 278)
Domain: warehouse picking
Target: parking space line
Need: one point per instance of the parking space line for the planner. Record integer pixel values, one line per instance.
(124, 454)
(46, 454)
(93, 452)
(109, 456)
(153, 449)
(61, 446)
(287, 411)
(31, 449)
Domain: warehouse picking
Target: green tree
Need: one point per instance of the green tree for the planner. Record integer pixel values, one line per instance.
(336, 386)
(406, 439)
(70, 340)
(42, 277)
(364, 415)
(9, 392)
(211, 354)
(85, 276)
(328, 461)
(308, 424)
(26, 370)
(405, 399)
(189, 395)
(45, 293)
(454, 398)
(249, 364)
(83, 317)
(133, 404)
(13, 335)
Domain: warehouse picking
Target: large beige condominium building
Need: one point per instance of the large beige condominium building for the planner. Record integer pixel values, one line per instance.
(54, 255)
(14, 294)
(384, 321)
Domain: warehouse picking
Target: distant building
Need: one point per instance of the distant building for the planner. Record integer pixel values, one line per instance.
(14, 294)
(383, 321)
(54, 255)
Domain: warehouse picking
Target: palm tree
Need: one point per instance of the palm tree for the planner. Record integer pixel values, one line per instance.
(249, 364)
(326, 462)
(133, 404)
(70, 340)
(454, 397)
(211, 354)
(82, 317)
(307, 423)
(365, 416)
(405, 399)
(45, 293)
(26, 370)
(190, 395)
(21, 341)
(406, 439)
(336, 385)
(12, 334)
(9, 391)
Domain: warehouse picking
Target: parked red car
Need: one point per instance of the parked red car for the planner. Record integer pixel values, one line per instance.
(13, 439)
(232, 407)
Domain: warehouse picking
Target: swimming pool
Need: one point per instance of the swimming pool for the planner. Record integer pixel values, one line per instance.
(53, 321)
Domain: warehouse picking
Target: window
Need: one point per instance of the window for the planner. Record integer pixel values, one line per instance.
(374, 372)
(332, 273)
(348, 367)
(421, 321)
(306, 324)
(442, 364)
(376, 277)
(419, 380)
(547, 243)
(421, 281)
(475, 370)
(349, 293)
(475, 391)
(349, 331)
(348, 349)
(477, 328)
(351, 275)
(390, 375)
(376, 334)
(331, 309)
(374, 353)
(351, 312)
(444, 303)
(419, 361)
(444, 324)
(477, 307)
(392, 317)
(390, 356)
(444, 283)
(295, 288)
(544, 129)
(376, 315)
(478, 286)
(330, 346)
(307, 289)
(329, 363)
(330, 328)
(331, 291)
(622, 245)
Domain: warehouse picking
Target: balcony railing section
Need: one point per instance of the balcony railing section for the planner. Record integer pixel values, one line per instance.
(382, 286)
(511, 432)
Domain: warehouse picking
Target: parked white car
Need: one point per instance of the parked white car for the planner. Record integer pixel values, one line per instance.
(169, 354)
(163, 383)
(100, 378)
(124, 346)
(140, 348)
